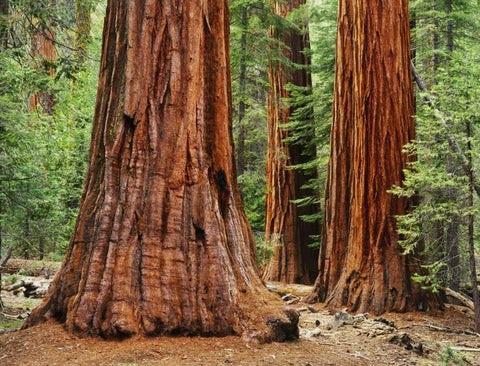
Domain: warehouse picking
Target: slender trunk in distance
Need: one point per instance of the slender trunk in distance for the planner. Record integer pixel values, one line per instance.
(471, 237)
(44, 52)
(83, 10)
(242, 131)
(293, 261)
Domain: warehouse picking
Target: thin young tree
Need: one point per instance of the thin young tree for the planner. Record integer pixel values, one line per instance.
(161, 243)
(242, 129)
(4, 7)
(83, 21)
(293, 261)
(471, 236)
(360, 263)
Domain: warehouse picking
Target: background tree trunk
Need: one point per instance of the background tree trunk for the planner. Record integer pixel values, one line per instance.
(161, 243)
(3, 46)
(453, 194)
(83, 10)
(44, 53)
(293, 260)
(4, 7)
(242, 133)
(471, 237)
(360, 262)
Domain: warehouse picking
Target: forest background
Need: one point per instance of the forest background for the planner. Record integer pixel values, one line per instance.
(49, 61)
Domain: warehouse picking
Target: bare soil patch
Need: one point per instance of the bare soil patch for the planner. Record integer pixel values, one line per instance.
(444, 338)
(49, 344)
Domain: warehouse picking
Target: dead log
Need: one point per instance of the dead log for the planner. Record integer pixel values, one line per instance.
(452, 330)
(289, 288)
(8, 330)
(465, 301)
(35, 289)
(465, 349)
(15, 286)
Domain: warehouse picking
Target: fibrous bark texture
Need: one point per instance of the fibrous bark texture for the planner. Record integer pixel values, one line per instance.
(293, 260)
(161, 243)
(360, 262)
(44, 52)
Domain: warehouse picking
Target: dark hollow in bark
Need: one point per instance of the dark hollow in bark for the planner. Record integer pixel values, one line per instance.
(161, 244)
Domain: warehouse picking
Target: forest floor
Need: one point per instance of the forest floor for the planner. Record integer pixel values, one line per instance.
(327, 337)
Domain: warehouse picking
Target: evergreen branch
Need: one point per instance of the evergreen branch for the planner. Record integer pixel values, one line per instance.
(452, 141)
(41, 31)
(19, 179)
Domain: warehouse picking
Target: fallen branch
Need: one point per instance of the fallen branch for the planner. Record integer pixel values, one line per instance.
(459, 297)
(8, 330)
(31, 288)
(9, 316)
(15, 286)
(356, 354)
(465, 349)
(451, 330)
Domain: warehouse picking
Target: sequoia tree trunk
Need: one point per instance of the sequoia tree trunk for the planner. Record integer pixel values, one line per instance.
(44, 53)
(360, 262)
(161, 243)
(294, 261)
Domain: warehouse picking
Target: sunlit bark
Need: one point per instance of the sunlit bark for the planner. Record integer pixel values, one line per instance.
(161, 244)
(44, 54)
(360, 262)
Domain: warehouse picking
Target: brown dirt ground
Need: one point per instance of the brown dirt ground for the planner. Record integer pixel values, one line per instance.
(50, 344)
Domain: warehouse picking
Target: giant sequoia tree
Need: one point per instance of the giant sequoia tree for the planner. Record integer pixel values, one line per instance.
(293, 260)
(161, 243)
(360, 262)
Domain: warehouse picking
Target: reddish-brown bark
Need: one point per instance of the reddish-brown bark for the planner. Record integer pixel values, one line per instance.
(360, 262)
(44, 52)
(293, 260)
(161, 243)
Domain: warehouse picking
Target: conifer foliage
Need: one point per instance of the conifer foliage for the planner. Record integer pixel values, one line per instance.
(394, 213)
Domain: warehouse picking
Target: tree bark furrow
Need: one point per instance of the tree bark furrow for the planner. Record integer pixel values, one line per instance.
(293, 260)
(161, 244)
(360, 262)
